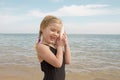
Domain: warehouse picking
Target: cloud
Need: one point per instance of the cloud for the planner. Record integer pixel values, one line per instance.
(73, 10)
(93, 28)
(10, 19)
(82, 10)
(36, 13)
(10, 15)
(78, 10)
(22, 22)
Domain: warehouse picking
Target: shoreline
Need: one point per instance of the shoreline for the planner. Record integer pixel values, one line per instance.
(20, 72)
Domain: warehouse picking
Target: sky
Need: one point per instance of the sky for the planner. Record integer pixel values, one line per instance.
(78, 16)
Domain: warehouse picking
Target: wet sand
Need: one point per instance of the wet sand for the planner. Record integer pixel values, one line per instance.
(20, 72)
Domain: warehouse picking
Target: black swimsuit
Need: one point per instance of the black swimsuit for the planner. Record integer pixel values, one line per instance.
(51, 72)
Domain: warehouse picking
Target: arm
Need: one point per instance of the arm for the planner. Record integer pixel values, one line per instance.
(44, 53)
(67, 54)
(67, 51)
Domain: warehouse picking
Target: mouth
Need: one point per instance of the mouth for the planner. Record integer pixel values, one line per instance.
(53, 39)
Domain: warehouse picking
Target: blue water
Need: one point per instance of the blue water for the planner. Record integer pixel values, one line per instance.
(89, 52)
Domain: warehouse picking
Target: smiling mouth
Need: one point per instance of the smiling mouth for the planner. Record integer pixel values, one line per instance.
(53, 38)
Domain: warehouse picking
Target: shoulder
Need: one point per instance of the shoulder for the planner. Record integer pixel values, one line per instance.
(42, 50)
(41, 47)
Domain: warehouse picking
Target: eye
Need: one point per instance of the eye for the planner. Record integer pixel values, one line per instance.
(53, 30)
(58, 32)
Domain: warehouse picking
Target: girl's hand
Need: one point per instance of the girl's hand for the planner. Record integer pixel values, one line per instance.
(65, 39)
(60, 41)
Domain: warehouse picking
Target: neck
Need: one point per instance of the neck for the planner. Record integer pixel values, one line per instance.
(50, 44)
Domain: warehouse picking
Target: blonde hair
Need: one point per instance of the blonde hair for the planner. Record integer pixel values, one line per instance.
(49, 19)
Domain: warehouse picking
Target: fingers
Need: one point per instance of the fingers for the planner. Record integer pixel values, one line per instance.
(64, 35)
(62, 40)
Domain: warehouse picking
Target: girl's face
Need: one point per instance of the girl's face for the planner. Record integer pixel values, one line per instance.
(51, 33)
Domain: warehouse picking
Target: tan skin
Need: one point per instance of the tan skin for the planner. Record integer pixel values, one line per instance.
(51, 37)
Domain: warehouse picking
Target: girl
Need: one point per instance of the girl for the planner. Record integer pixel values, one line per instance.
(50, 49)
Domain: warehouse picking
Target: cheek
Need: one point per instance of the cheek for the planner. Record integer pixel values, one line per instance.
(46, 35)
(58, 35)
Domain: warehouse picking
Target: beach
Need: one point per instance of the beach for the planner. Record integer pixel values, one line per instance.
(94, 57)
(18, 72)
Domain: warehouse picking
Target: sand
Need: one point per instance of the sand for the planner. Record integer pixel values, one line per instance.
(20, 72)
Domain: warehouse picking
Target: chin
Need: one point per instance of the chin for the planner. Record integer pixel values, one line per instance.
(53, 42)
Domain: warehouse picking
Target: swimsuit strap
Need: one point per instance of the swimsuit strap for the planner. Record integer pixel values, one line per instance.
(48, 45)
(45, 44)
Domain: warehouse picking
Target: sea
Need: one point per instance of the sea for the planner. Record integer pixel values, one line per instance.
(89, 52)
